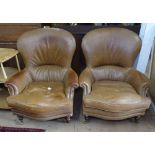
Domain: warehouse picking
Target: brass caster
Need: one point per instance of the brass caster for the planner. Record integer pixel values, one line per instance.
(19, 120)
(137, 118)
(67, 118)
(86, 118)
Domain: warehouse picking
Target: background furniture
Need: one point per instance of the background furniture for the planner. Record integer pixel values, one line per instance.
(9, 33)
(6, 72)
(44, 89)
(113, 90)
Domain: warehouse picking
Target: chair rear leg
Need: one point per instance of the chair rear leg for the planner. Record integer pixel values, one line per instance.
(137, 118)
(20, 119)
(68, 118)
(86, 118)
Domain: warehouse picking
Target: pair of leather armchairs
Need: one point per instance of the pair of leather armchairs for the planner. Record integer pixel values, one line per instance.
(113, 90)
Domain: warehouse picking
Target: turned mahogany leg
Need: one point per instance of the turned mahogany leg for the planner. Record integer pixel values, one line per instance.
(67, 118)
(137, 118)
(20, 119)
(86, 117)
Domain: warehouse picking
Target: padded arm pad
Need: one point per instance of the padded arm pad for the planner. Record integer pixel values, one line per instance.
(71, 82)
(139, 81)
(85, 80)
(18, 82)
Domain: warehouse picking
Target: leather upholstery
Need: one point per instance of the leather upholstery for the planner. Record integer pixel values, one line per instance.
(47, 47)
(112, 88)
(18, 82)
(110, 46)
(45, 88)
(115, 96)
(39, 102)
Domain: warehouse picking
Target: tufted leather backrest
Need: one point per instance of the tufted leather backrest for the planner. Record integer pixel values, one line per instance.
(47, 52)
(111, 46)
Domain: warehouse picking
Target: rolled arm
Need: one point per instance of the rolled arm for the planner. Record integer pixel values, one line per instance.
(85, 80)
(71, 82)
(18, 82)
(139, 81)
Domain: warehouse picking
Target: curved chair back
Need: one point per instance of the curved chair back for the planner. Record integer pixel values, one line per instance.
(111, 46)
(47, 53)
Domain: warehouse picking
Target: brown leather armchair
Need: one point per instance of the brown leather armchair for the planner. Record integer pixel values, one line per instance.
(113, 90)
(44, 90)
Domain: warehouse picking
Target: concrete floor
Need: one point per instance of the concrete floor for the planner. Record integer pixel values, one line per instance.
(146, 124)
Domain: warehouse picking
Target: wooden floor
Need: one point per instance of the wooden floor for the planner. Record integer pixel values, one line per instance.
(146, 124)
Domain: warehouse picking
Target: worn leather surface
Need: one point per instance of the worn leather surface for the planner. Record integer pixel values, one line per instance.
(115, 96)
(47, 54)
(112, 115)
(110, 46)
(112, 88)
(51, 46)
(115, 73)
(18, 82)
(37, 100)
(138, 80)
(86, 80)
(70, 82)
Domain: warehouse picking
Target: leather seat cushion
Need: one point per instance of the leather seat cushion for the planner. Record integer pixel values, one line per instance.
(115, 96)
(37, 99)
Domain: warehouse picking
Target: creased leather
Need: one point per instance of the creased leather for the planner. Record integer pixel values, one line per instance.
(47, 47)
(48, 73)
(115, 96)
(111, 115)
(37, 100)
(110, 46)
(115, 73)
(139, 81)
(71, 82)
(18, 82)
(85, 80)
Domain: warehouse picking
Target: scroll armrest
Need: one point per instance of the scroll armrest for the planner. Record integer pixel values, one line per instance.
(85, 80)
(71, 82)
(18, 82)
(139, 81)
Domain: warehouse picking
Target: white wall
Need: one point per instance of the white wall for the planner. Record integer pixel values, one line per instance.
(147, 34)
